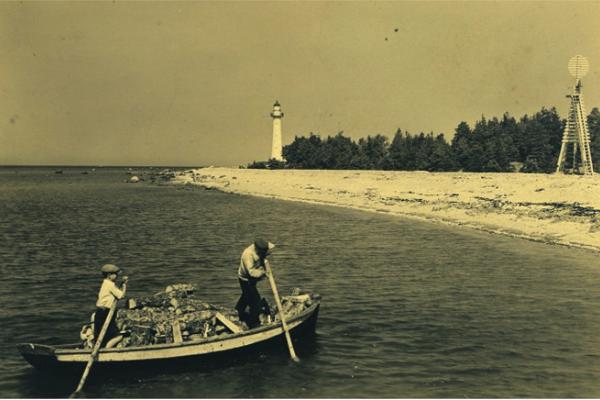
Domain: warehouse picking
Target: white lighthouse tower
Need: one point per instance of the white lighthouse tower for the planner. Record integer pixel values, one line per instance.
(276, 149)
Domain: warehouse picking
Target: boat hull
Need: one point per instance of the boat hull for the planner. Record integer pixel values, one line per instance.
(61, 359)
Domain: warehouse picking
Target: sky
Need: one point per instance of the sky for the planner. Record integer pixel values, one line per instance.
(193, 83)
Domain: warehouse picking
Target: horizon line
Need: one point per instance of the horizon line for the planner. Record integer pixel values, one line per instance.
(98, 166)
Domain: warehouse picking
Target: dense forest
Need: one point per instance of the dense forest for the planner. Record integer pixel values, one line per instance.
(531, 144)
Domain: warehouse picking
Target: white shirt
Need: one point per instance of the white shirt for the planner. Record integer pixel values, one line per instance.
(108, 293)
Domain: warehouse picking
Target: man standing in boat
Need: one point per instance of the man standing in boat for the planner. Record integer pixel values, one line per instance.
(250, 272)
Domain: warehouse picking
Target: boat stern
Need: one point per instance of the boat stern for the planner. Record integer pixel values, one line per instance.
(38, 355)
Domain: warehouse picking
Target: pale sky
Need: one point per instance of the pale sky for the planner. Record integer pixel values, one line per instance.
(193, 83)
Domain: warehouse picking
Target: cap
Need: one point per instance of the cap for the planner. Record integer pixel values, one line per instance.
(263, 245)
(110, 269)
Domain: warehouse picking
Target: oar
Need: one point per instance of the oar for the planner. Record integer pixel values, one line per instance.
(95, 349)
(281, 316)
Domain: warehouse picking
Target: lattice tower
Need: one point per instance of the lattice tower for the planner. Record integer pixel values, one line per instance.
(576, 130)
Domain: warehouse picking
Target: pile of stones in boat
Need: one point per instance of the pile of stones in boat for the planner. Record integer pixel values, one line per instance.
(175, 315)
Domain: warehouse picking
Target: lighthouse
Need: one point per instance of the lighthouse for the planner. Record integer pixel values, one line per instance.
(276, 148)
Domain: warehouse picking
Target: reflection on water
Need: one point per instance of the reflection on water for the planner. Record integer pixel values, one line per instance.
(409, 309)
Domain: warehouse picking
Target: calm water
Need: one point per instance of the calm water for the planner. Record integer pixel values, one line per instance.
(409, 309)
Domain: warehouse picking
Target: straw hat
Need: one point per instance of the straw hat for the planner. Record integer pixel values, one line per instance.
(110, 269)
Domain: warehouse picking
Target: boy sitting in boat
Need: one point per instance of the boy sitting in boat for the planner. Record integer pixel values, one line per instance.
(108, 294)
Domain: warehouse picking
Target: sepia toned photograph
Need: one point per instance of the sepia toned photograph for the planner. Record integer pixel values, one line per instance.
(293, 199)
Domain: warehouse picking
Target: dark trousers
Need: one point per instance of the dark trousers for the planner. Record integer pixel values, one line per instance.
(251, 299)
(99, 318)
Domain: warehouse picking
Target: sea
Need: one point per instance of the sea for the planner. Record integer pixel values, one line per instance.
(409, 309)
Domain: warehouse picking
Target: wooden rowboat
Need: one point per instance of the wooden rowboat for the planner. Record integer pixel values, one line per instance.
(70, 357)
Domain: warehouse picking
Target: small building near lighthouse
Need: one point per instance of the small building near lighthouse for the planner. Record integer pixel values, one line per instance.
(276, 148)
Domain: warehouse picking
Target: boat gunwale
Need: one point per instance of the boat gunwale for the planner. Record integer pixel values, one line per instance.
(60, 350)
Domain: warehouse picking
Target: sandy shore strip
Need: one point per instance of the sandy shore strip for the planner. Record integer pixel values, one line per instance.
(556, 209)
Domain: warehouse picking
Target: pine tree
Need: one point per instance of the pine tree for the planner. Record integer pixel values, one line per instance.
(593, 121)
(423, 152)
(539, 140)
(397, 151)
(338, 152)
(461, 145)
(372, 152)
(441, 157)
(304, 152)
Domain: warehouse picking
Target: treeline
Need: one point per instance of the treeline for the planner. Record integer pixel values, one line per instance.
(531, 144)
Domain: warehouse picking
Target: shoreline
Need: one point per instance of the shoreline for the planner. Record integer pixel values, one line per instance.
(552, 209)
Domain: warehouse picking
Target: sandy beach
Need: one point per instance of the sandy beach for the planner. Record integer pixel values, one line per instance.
(555, 209)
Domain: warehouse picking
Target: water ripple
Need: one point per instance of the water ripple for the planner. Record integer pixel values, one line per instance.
(409, 309)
